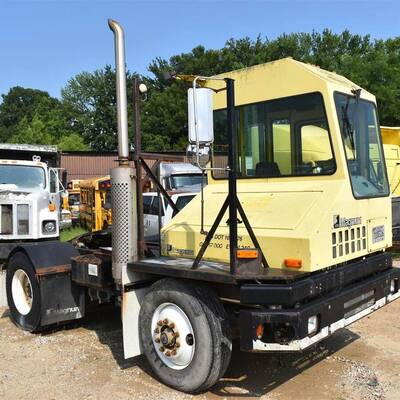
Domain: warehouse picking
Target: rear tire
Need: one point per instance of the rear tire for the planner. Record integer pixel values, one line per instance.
(23, 293)
(185, 335)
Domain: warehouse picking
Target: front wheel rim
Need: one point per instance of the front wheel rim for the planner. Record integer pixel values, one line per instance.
(22, 293)
(173, 336)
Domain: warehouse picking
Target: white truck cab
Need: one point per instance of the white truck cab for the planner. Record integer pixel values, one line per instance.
(181, 176)
(29, 196)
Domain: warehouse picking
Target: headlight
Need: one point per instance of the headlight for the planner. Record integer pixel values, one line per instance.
(312, 324)
(65, 217)
(49, 227)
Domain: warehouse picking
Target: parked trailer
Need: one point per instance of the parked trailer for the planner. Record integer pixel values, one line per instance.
(287, 249)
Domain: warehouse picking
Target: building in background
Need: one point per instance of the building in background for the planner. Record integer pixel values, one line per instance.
(89, 165)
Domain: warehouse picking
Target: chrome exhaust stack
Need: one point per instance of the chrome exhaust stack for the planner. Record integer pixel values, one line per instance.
(123, 188)
(122, 108)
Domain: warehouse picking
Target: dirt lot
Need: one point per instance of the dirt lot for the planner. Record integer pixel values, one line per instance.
(85, 361)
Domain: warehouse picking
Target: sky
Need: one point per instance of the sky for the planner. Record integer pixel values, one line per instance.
(43, 44)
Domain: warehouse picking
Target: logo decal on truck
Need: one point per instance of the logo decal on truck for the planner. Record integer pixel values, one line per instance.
(343, 222)
(378, 233)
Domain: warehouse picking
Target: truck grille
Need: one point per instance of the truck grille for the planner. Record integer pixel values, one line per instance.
(349, 241)
(6, 219)
(14, 219)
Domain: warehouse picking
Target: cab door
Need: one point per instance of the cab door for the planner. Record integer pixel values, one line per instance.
(151, 215)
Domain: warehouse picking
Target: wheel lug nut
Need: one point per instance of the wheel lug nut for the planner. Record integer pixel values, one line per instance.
(156, 330)
(173, 352)
(161, 349)
(159, 323)
(165, 322)
(176, 334)
(177, 344)
(172, 325)
(157, 340)
(168, 354)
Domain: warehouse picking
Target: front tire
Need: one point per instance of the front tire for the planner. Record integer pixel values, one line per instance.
(23, 293)
(185, 335)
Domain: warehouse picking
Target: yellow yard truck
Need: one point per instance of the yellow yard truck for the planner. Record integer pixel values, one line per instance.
(286, 244)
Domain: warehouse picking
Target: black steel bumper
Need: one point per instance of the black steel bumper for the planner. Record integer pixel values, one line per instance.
(337, 298)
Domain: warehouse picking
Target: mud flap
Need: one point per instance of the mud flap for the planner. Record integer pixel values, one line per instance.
(134, 289)
(62, 299)
(130, 322)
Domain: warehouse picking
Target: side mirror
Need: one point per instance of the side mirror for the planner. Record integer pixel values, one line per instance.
(200, 114)
(198, 156)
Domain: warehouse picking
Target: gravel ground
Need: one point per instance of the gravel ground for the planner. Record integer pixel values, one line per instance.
(85, 361)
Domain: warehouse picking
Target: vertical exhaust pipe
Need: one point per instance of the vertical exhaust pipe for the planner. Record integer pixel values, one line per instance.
(123, 187)
(122, 113)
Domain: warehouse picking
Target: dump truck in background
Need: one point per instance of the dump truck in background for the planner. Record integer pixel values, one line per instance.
(391, 147)
(30, 194)
(30, 201)
(285, 245)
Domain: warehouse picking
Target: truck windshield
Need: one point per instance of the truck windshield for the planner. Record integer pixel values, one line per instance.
(22, 176)
(282, 137)
(363, 147)
(184, 180)
(74, 199)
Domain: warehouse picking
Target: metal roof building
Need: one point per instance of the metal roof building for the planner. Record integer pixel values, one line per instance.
(89, 164)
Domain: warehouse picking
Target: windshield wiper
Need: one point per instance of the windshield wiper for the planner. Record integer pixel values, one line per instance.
(348, 127)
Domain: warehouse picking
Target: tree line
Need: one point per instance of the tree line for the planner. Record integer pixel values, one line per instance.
(84, 118)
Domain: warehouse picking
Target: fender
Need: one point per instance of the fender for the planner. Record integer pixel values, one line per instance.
(60, 299)
(49, 254)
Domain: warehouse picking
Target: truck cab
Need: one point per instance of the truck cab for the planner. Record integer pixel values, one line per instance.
(181, 176)
(29, 202)
(311, 174)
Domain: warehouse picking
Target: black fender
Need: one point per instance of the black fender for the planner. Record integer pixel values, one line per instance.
(60, 298)
(46, 254)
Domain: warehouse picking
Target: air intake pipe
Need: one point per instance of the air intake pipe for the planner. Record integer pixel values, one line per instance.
(123, 185)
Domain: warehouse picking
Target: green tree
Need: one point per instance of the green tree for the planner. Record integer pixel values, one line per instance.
(33, 116)
(20, 103)
(88, 106)
(72, 142)
(33, 132)
(375, 65)
(92, 99)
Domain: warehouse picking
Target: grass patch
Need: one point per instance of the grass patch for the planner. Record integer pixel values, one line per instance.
(70, 233)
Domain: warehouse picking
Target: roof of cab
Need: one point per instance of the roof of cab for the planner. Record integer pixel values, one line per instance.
(280, 78)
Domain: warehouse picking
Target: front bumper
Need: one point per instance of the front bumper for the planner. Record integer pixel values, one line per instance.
(286, 328)
(65, 224)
